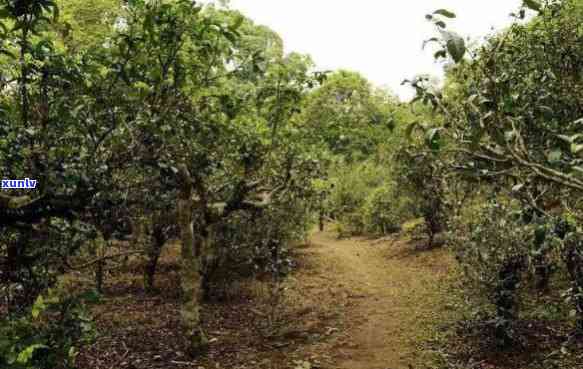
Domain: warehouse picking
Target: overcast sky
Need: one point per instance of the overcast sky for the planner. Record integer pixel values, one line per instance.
(381, 39)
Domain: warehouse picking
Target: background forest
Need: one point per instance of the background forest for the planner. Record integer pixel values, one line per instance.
(185, 162)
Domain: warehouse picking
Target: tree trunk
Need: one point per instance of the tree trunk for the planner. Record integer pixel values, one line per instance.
(190, 272)
(99, 277)
(574, 260)
(209, 262)
(137, 239)
(154, 252)
(542, 269)
(99, 251)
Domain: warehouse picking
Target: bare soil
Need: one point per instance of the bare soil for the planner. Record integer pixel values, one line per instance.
(352, 303)
(394, 285)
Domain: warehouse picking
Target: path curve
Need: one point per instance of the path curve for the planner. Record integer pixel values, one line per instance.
(396, 293)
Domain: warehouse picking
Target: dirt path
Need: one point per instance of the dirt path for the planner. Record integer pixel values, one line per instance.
(350, 304)
(395, 293)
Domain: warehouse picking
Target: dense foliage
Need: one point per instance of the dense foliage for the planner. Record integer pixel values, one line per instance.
(508, 128)
(159, 116)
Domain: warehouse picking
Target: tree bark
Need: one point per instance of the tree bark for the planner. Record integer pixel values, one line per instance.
(190, 273)
(209, 262)
(160, 230)
(152, 264)
(574, 260)
(99, 251)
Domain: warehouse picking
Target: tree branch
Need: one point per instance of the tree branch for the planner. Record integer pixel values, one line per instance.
(104, 258)
(23, 209)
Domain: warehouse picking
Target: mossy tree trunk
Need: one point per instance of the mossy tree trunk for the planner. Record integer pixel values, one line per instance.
(210, 262)
(98, 250)
(196, 246)
(190, 272)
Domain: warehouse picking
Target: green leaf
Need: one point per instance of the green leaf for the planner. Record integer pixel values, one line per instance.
(565, 138)
(38, 307)
(577, 169)
(26, 355)
(456, 46)
(17, 26)
(91, 296)
(533, 5)
(477, 136)
(238, 22)
(5, 13)
(440, 54)
(7, 53)
(555, 156)
(576, 148)
(441, 24)
(518, 187)
(540, 234)
(410, 128)
(231, 36)
(444, 12)
(432, 137)
(135, 3)
(432, 39)
(73, 353)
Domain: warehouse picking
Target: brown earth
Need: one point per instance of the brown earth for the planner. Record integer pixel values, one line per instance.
(396, 289)
(351, 304)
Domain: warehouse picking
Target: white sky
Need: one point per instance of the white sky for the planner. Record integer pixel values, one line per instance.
(381, 39)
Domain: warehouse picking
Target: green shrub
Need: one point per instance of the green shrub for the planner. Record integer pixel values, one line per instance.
(248, 244)
(48, 336)
(350, 187)
(422, 175)
(363, 200)
(385, 210)
(492, 248)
